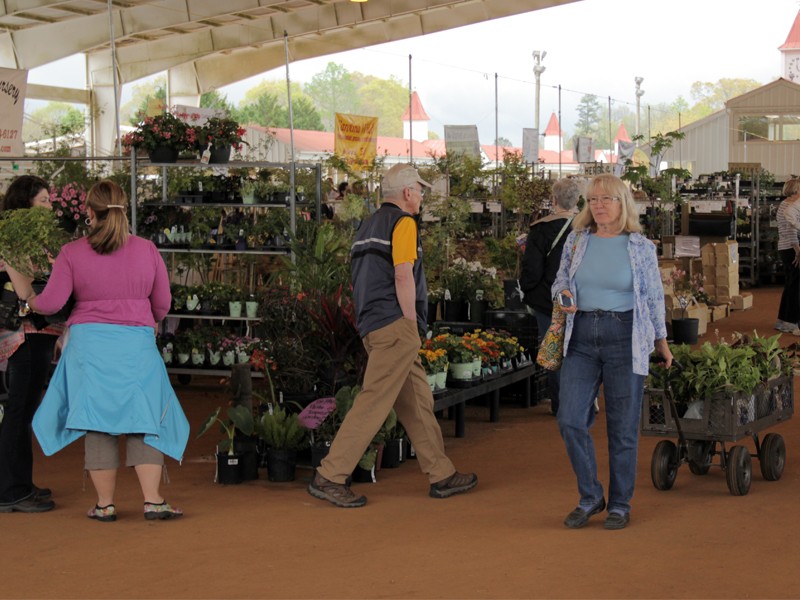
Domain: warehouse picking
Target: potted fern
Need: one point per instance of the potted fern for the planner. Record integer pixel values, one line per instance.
(283, 435)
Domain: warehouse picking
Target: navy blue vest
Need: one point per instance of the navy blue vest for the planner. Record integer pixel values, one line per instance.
(373, 273)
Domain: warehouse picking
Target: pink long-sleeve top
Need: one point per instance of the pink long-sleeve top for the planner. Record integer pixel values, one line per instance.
(127, 287)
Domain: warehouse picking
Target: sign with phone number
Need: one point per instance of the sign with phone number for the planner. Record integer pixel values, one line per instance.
(13, 87)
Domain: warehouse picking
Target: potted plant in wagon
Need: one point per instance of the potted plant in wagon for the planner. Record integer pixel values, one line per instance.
(228, 462)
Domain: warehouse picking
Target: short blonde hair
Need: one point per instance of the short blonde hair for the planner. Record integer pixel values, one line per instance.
(791, 187)
(609, 185)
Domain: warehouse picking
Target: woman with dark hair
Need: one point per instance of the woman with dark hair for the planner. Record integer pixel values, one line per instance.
(29, 352)
(111, 379)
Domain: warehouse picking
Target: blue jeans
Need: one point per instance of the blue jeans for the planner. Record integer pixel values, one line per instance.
(600, 351)
(543, 321)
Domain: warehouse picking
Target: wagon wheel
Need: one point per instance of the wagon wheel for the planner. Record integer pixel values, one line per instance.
(772, 456)
(664, 466)
(700, 454)
(739, 471)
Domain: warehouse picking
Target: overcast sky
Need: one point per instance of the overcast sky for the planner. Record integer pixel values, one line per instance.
(593, 47)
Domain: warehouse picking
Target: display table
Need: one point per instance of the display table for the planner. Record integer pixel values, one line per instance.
(456, 398)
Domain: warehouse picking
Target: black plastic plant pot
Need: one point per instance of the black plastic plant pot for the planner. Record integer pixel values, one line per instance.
(392, 454)
(281, 464)
(229, 468)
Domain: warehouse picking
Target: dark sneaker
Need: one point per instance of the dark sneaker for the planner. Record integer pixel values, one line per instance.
(617, 521)
(28, 505)
(457, 483)
(42, 493)
(337, 494)
(579, 517)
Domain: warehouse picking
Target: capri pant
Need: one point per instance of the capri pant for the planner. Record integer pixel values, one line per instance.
(102, 451)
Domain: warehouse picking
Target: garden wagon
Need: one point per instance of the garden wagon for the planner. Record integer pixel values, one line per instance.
(704, 427)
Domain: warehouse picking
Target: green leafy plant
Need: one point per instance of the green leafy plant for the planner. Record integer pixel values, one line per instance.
(239, 418)
(161, 131)
(281, 430)
(30, 238)
(220, 131)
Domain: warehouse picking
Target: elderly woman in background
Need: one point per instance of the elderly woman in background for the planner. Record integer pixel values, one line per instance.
(609, 270)
(541, 260)
(111, 379)
(29, 352)
(788, 217)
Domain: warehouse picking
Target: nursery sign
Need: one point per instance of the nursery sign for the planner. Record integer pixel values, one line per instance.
(316, 412)
(530, 145)
(13, 86)
(356, 138)
(462, 139)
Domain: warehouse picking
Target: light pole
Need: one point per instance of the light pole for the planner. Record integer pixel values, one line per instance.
(639, 94)
(538, 69)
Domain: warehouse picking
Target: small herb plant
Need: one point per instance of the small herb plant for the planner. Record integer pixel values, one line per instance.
(30, 238)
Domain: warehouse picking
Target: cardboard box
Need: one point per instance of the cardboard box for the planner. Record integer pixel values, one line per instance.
(725, 293)
(719, 311)
(727, 253)
(668, 250)
(707, 255)
(709, 274)
(670, 302)
(725, 272)
(742, 302)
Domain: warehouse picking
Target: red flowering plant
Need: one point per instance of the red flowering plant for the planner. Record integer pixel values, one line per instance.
(69, 205)
(262, 362)
(220, 131)
(166, 130)
(485, 343)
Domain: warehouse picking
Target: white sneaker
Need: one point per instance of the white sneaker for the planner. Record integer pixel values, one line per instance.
(795, 331)
(785, 326)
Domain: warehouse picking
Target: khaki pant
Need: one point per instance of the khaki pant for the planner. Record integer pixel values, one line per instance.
(102, 451)
(394, 378)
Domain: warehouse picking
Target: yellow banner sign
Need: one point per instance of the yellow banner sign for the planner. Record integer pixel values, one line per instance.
(356, 138)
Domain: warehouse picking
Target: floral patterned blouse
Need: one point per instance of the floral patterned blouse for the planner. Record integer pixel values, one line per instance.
(648, 292)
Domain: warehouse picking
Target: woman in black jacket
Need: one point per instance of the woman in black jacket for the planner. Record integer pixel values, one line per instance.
(541, 260)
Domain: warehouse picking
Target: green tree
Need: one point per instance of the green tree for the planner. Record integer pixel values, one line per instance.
(386, 99)
(305, 115)
(141, 95)
(589, 114)
(264, 110)
(502, 141)
(713, 96)
(54, 119)
(332, 91)
(217, 100)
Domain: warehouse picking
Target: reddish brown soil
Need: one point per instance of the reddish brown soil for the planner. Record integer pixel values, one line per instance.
(504, 540)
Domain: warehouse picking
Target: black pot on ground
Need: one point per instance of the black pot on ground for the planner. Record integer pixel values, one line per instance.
(281, 464)
(684, 331)
(229, 468)
(432, 307)
(364, 476)
(455, 310)
(249, 462)
(408, 450)
(392, 454)
(318, 453)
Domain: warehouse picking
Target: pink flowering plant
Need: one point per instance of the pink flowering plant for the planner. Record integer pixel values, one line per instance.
(687, 288)
(69, 204)
(220, 131)
(165, 130)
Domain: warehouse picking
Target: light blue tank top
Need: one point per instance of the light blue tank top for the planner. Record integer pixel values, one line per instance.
(604, 280)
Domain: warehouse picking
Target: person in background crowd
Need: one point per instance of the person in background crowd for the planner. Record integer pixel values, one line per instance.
(29, 352)
(111, 379)
(788, 217)
(541, 259)
(615, 318)
(391, 301)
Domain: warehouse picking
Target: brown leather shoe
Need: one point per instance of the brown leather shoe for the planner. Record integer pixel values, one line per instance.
(337, 494)
(457, 483)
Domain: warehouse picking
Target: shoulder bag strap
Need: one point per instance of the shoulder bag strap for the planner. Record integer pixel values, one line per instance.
(560, 233)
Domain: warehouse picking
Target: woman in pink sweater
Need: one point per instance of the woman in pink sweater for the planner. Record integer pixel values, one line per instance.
(111, 379)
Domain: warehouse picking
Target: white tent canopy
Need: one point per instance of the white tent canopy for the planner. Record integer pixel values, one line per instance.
(207, 44)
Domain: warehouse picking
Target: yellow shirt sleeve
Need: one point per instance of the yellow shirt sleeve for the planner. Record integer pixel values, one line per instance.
(404, 241)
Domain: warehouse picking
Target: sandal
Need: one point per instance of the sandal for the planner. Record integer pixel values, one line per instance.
(106, 514)
(161, 511)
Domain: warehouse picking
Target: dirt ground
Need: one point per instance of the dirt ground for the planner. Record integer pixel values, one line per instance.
(504, 540)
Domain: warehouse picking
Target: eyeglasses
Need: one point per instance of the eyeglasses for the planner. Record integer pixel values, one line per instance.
(421, 191)
(604, 200)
